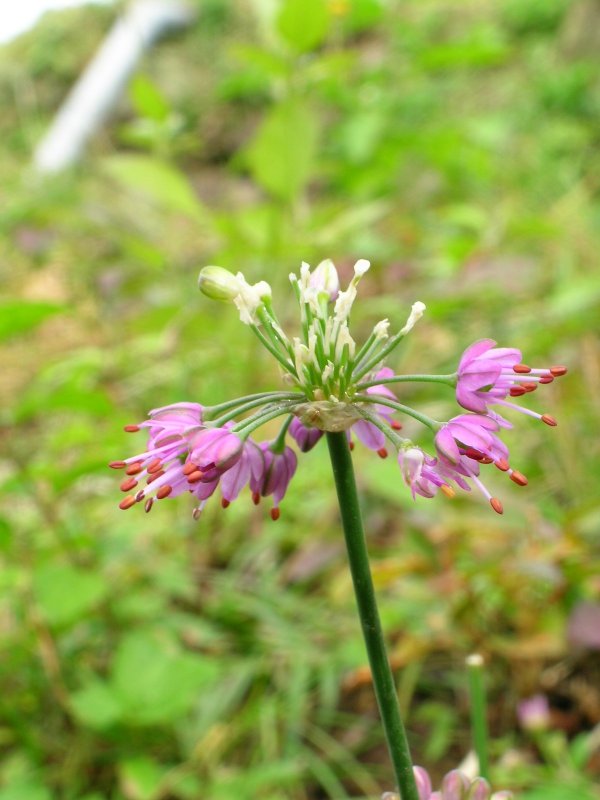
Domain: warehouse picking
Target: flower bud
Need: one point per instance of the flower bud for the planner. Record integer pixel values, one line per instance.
(325, 279)
(218, 283)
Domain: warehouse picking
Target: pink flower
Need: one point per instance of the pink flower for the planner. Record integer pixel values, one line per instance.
(306, 438)
(279, 469)
(368, 433)
(470, 431)
(455, 786)
(487, 375)
(420, 473)
(534, 713)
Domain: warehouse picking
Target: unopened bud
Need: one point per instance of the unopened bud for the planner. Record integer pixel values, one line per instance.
(325, 279)
(218, 283)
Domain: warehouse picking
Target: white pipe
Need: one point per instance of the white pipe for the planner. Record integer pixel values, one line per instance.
(97, 91)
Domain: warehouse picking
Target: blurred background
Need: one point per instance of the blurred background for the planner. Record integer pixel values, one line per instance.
(456, 146)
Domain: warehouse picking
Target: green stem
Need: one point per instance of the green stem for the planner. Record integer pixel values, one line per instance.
(381, 400)
(246, 426)
(448, 379)
(209, 412)
(478, 713)
(358, 557)
(260, 401)
(379, 356)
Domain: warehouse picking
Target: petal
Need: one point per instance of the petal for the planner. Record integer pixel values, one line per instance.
(474, 351)
(369, 434)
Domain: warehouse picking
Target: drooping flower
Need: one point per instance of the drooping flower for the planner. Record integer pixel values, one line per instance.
(279, 469)
(455, 786)
(332, 385)
(487, 375)
(534, 713)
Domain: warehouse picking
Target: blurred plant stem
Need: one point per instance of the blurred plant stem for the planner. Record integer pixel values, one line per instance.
(479, 713)
(358, 557)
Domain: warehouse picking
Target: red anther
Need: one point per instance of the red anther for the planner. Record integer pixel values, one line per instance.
(255, 498)
(396, 426)
(502, 464)
(275, 513)
(189, 467)
(485, 460)
(517, 391)
(127, 502)
(447, 490)
(163, 492)
(471, 452)
(155, 476)
(530, 386)
(134, 469)
(225, 503)
(546, 379)
(382, 452)
(549, 420)
(154, 466)
(131, 428)
(518, 478)
(196, 513)
(117, 464)
(148, 504)
(558, 370)
(521, 369)
(351, 445)
(128, 485)
(139, 496)
(496, 505)
(195, 476)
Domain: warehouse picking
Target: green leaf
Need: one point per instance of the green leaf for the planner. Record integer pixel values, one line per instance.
(21, 316)
(281, 156)
(156, 683)
(65, 593)
(303, 23)
(96, 706)
(25, 789)
(156, 180)
(147, 100)
(140, 778)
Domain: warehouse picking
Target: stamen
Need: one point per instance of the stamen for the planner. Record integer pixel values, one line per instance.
(189, 467)
(117, 464)
(256, 498)
(148, 504)
(447, 490)
(154, 466)
(131, 428)
(546, 379)
(471, 452)
(549, 420)
(155, 476)
(521, 369)
(558, 370)
(139, 496)
(163, 492)
(517, 391)
(196, 513)
(496, 505)
(134, 469)
(486, 460)
(529, 386)
(395, 425)
(128, 485)
(275, 513)
(225, 503)
(518, 478)
(195, 476)
(351, 445)
(502, 464)
(382, 452)
(127, 502)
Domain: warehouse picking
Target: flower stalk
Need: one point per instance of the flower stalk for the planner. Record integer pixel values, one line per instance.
(358, 558)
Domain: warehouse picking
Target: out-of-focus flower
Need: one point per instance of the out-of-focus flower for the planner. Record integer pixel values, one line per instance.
(534, 713)
(455, 786)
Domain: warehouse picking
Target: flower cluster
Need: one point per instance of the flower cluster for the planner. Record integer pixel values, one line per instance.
(332, 385)
(455, 786)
